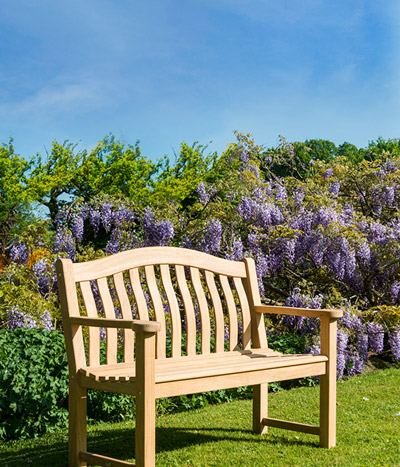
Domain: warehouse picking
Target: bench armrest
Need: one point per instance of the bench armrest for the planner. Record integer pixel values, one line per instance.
(135, 324)
(307, 312)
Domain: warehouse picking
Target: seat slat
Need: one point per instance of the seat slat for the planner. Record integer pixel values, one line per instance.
(173, 370)
(244, 306)
(126, 314)
(203, 310)
(111, 334)
(93, 333)
(176, 325)
(232, 312)
(189, 310)
(237, 366)
(158, 309)
(218, 313)
(225, 356)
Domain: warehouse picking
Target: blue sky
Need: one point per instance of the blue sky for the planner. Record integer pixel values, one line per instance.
(169, 71)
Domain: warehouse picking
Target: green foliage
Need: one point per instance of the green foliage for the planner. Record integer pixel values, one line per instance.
(287, 343)
(388, 316)
(34, 386)
(55, 175)
(13, 170)
(179, 180)
(19, 290)
(14, 208)
(33, 383)
(115, 169)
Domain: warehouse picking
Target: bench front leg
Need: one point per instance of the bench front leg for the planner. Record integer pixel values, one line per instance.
(260, 408)
(328, 384)
(145, 431)
(77, 422)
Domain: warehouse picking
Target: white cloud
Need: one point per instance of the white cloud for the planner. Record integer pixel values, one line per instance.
(57, 98)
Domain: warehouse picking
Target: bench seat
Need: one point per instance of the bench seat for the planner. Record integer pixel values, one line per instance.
(241, 367)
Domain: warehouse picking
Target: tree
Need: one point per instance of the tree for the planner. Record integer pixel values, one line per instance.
(113, 169)
(178, 181)
(54, 176)
(14, 207)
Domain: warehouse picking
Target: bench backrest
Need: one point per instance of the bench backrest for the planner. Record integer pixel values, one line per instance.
(190, 293)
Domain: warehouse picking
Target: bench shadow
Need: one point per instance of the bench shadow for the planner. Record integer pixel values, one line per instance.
(121, 444)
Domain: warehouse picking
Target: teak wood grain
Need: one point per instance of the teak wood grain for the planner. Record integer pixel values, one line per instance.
(178, 295)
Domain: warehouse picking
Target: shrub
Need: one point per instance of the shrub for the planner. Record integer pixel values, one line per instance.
(33, 382)
(34, 386)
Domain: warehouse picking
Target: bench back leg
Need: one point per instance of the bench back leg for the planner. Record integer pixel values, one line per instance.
(328, 385)
(260, 408)
(77, 423)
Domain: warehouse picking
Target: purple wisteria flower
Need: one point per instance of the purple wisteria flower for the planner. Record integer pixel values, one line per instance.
(122, 216)
(19, 253)
(334, 189)
(280, 193)
(376, 336)
(389, 166)
(342, 340)
(328, 173)
(299, 197)
(64, 242)
(156, 233)
(113, 245)
(95, 219)
(394, 291)
(394, 340)
(77, 227)
(244, 155)
(237, 250)
(212, 236)
(204, 197)
(106, 216)
(40, 269)
(18, 319)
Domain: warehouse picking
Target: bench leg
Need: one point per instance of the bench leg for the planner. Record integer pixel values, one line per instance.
(77, 423)
(260, 408)
(145, 430)
(327, 437)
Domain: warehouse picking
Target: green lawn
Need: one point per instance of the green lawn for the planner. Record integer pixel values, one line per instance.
(368, 432)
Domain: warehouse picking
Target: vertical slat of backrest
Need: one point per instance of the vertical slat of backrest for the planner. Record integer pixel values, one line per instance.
(244, 306)
(137, 290)
(203, 310)
(218, 312)
(189, 310)
(176, 324)
(126, 314)
(158, 309)
(258, 333)
(232, 312)
(112, 334)
(93, 332)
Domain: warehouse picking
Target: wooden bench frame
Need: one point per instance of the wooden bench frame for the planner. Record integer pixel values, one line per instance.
(151, 375)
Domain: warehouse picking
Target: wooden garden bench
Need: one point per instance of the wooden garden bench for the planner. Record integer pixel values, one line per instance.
(174, 292)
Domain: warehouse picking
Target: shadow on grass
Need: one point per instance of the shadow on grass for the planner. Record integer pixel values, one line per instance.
(120, 444)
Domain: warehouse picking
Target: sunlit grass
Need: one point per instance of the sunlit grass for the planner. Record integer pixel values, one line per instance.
(368, 432)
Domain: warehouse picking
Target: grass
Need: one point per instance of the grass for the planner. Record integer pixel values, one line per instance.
(368, 429)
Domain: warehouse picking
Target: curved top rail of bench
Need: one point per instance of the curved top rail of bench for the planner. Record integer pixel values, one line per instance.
(130, 259)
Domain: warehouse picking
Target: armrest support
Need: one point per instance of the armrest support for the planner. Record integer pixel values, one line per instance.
(307, 312)
(135, 324)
